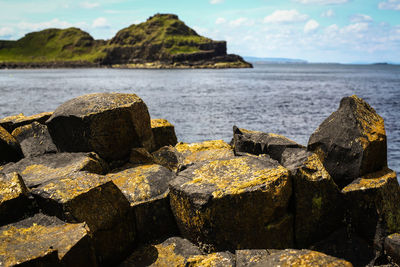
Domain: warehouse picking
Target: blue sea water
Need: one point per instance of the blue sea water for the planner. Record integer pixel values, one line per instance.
(288, 99)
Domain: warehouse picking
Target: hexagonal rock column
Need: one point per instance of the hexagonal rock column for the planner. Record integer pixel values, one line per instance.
(45, 241)
(392, 248)
(257, 143)
(10, 151)
(38, 170)
(146, 188)
(373, 202)
(12, 122)
(317, 199)
(351, 142)
(34, 140)
(14, 202)
(163, 132)
(235, 203)
(108, 123)
(94, 199)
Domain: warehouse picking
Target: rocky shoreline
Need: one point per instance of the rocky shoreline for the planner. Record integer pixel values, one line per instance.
(98, 182)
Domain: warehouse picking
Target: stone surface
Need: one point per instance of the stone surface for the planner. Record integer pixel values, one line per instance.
(108, 123)
(218, 259)
(14, 198)
(292, 257)
(163, 132)
(38, 170)
(392, 248)
(140, 156)
(94, 199)
(45, 241)
(10, 151)
(257, 143)
(12, 122)
(251, 257)
(34, 139)
(317, 199)
(254, 193)
(351, 142)
(168, 157)
(146, 188)
(373, 203)
(174, 251)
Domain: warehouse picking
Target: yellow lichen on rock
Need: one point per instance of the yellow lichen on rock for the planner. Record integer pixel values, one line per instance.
(206, 155)
(6, 136)
(209, 260)
(168, 257)
(185, 148)
(155, 123)
(314, 169)
(373, 180)
(11, 187)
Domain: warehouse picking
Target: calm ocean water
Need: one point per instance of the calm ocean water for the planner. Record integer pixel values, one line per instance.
(288, 99)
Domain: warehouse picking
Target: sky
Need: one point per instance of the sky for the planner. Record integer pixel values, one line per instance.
(344, 31)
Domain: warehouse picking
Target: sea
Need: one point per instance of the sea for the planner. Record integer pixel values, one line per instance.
(287, 99)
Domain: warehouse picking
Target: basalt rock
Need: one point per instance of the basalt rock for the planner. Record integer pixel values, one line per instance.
(38, 170)
(351, 142)
(45, 241)
(10, 151)
(34, 139)
(146, 188)
(252, 257)
(392, 248)
(168, 157)
(373, 203)
(163, 132)
(94, 199)
(257, 143)
(217, 259)
(12, 122)
(254, 193)
(108, 123)
(14, 198)
(317, 199)
(140, 156)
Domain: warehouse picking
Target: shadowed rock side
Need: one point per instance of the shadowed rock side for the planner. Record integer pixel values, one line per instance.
(163, 132)
(392, 248)
(10, 150)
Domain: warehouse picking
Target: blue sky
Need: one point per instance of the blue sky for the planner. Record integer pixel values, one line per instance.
(316, 30)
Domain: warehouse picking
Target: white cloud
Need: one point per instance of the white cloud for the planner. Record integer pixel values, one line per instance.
(6, 31)
(220, 21)
(322, 2)
(355, 28)
(285, 16)
(239, 22)
(311, 26)
(390, 4)
(100, 23)
(54, 23)
(360, 18)
(214, 2)
(328, 13)
(89, 5)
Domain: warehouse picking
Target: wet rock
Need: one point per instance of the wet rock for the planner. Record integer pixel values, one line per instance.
(257, 143)
(94, 199)
(392, 248)
(45, 241)
(169, 157)
(146, 188)
(140, 156)
(174, 251)
(14, 198)
(10, 151)
(108, 123)
(218, 259)
(34, 139)
(317, 199)
(163, 132)
(207, 197)
(351, 142)
(373, 202)
(38, 170)
(13, 122)
(251, 257)
(292, 257)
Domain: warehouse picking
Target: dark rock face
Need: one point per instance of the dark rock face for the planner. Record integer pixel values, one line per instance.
(10, 151)
(168, 157)
(14, 198)
(38, 170)
(108, 123)
(95, 200)
(392, 248)
(351, 142)
(317, 199)
(13, 122)
(254, 193)
(146, 188)
(163, 132)
(257, 143)
(45, 241)
(34, 140)
(140, 156)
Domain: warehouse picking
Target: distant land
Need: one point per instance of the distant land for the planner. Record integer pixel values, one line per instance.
(274, 60)
(163, 41)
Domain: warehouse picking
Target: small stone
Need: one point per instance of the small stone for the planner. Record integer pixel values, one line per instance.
(163, 132)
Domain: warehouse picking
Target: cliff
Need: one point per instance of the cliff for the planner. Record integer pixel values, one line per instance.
(163, 41)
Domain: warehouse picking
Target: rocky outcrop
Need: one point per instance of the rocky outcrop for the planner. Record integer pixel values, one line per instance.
(10, 150)
(351, 142)
(108, 123)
